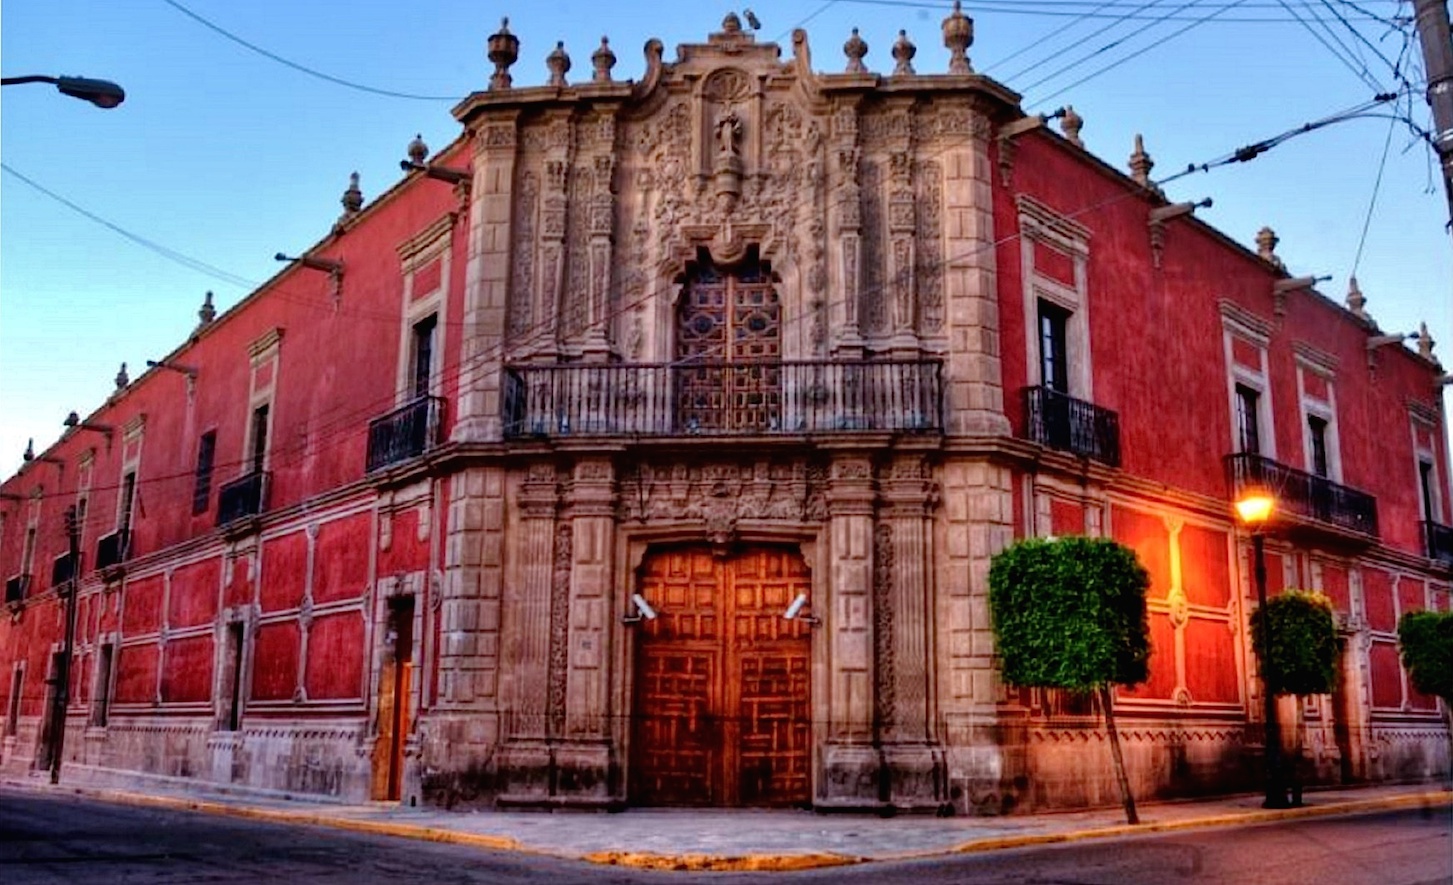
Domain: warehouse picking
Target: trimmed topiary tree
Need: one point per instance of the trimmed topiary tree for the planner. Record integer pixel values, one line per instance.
(1426, 639)
(1301, 656)
(1070, 613)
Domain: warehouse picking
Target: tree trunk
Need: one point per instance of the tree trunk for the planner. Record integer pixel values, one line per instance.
(1107, 703)
(1448, 714)
(1298, 751)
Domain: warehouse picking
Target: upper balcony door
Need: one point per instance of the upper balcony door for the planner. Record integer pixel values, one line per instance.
(729, 349)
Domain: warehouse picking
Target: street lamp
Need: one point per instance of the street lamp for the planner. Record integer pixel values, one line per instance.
(1254, 508)
(101, 93)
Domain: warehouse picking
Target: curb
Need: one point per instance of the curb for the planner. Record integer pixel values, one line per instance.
(747, 862)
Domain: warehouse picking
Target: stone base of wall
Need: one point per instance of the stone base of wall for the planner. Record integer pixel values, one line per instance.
(457, 762)
(894, 777)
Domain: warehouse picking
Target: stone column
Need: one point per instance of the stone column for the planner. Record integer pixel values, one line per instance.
(463, 725)
(525, 649)
(850, 758)
(583, 755)
(975, 394)
(905, 665)
(977, 522)
(902, 258)
(486, 284)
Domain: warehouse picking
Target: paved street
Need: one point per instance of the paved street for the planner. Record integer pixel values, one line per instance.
(53, 839)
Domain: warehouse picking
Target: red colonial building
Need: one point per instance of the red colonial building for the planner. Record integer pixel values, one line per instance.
(649, 445)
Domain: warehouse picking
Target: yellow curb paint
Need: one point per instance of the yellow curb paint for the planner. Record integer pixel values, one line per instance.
(751, 863)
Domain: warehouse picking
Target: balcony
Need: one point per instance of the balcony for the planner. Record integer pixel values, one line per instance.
(1307, 496)
(241, 498)
(1066, 424)
(1440, 542)
(62, 570)
(722, 398)
(17, 587)
(407, 432)
(113, 549)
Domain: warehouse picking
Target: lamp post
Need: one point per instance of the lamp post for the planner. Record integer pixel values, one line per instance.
(1254, 509)
(101, 93)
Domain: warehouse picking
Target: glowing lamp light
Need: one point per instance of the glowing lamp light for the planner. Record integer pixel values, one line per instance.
(1255, 508)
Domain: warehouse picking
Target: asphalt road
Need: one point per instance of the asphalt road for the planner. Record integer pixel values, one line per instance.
(59, 839)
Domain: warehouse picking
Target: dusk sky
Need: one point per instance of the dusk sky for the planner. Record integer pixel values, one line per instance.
(222, 156)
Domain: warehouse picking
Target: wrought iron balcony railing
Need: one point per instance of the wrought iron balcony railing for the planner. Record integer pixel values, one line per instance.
(1440, 542)
(722, 398)
(243, 497)
(1066, 424)
(113, 549)
(407, 432)
(62, 570)
(1304, 494)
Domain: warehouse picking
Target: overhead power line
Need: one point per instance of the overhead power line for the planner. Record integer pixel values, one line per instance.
(312, 72)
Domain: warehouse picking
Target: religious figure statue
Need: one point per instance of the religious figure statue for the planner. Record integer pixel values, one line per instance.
(728, 134)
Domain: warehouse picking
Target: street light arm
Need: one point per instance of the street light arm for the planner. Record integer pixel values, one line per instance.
(101, 93)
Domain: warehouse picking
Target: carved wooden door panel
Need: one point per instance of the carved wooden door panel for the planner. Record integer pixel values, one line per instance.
(728, 342)
(722, 682)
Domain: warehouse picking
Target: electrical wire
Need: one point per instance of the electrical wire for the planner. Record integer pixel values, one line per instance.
(1042, 8)
(1372, 201)
(1136, 54)
(1095, 53)
(181, 258)
(1359, 72)
(312, 72)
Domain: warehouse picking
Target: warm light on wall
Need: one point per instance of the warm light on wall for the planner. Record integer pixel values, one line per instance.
(1255, 508)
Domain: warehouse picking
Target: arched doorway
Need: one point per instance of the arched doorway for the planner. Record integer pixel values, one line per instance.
(721, 710)
(729, 348)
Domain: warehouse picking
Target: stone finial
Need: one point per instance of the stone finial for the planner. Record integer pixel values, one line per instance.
(1355, 301)
(122, 379)
(1425, 342)
(1266, 240)
(958, 36)
(1070, 124)
(603, 59)
(418, 151)
(558, 61)
(1141, 163)
(352, 197)
(731, 24)
(207, 313)
(855, 49)
(903, 52)
(504, 50)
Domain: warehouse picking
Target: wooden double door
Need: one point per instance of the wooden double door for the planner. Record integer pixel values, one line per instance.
(721, 704)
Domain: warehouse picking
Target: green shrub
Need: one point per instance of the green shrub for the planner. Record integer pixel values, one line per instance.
(1427, 648)
(1070, 613)
(1302, 656)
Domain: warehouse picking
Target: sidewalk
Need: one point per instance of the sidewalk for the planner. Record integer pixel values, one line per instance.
(691, 839)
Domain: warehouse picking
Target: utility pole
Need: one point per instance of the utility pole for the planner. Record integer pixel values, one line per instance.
(1433, 32)
(63, 675)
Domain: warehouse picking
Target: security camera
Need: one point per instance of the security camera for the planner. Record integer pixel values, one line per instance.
(796, 607)
(643, 607)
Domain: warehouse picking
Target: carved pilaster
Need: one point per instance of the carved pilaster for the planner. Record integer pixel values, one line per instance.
(902, 251)
(850, 760)
(847, 205)
(602, 235)
(527, 646)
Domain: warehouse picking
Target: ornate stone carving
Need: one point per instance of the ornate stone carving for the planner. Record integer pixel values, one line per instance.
(958, 36)
(930, 246)
(558, 63)
(874, 311)
(522, 279)
(504, 50)
(603, 59)
(574, 298)
(557, 665)
(884, 684)
(721, 494)
(726, 85)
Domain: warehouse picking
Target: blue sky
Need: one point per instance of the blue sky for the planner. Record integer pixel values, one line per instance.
(225, 156)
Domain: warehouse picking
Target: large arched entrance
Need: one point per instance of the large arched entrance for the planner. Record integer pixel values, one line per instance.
(721, 710)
